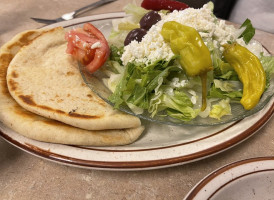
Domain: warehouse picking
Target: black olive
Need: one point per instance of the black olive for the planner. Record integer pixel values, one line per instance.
(149, 19)
(135, 34)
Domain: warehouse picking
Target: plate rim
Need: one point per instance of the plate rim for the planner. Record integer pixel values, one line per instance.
(142, 165)
(137, 165)
(218, 172)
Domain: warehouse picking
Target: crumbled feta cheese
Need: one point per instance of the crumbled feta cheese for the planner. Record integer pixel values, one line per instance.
(184, 83)
(169, 91)
(222, 49)
(152, 47)
(193, 97)
(77, 38)
(95, 45)
(177, 83)
(215, 44)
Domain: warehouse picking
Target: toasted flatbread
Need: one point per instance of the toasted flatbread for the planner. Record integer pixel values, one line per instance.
(45, 80)
(44, 129)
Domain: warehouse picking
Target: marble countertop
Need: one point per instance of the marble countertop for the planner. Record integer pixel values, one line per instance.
(24, 176)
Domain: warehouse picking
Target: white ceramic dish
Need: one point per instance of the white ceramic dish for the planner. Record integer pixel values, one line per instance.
(246, 179)
(160, 145)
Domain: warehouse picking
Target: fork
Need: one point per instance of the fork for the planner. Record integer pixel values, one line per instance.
(73, 14)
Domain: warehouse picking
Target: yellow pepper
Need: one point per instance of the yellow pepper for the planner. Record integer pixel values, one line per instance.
(250, 72)
(195, 57)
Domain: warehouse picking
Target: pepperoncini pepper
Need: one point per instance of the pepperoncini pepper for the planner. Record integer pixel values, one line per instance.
(195, 57)
(250, 72)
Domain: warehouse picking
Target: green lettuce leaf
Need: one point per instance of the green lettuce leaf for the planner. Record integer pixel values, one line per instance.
(116, 53)
(121, 27)
(249, 31)
(117, 37)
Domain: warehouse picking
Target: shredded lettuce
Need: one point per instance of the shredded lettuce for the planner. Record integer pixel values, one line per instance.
(117, 37)
(226, 83)
(145, 88)
(178, 105)
(113, 81)
(268, 65)
(222, 69)
(227, 86)
(136, 12)
(221, 91)
(220, 109)
(185, 114)
(141, 87)
(210, 4)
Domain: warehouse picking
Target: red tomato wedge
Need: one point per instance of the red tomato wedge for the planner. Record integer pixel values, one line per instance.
(88, 45)
(163, 5)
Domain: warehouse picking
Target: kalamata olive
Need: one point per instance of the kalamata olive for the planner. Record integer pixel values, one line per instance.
(135, 34)
(149, 19)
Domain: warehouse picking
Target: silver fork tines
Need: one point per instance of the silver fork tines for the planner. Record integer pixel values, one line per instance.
(73, 14)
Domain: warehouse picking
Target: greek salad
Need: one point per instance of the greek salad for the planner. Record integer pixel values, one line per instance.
(152, 52)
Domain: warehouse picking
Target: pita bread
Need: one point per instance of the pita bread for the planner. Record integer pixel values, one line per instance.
(45, 80)
(43, 129)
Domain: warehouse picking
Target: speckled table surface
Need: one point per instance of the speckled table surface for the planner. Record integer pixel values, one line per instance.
(24, 176)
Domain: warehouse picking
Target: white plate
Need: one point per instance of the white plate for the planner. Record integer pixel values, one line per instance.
(246, 179)
(160, 145)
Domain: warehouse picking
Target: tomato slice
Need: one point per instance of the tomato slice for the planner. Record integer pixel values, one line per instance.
(88, 45)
